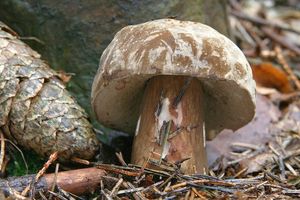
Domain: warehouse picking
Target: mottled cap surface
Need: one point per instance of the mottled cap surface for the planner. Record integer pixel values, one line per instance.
(172, 47)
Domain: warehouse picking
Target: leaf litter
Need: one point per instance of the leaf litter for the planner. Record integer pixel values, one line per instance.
(258, 161)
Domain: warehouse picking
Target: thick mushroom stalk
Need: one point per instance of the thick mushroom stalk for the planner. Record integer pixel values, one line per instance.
(171, 124)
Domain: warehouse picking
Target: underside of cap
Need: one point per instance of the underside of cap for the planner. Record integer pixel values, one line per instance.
(172, 47)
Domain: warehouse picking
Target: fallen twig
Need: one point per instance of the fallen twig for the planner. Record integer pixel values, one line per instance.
(262, 22)
(51, 159)
(281, 40)
(77, 181)
(286, 67)
(2, 151)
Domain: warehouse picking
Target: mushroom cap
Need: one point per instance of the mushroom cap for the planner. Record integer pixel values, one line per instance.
(172, 47)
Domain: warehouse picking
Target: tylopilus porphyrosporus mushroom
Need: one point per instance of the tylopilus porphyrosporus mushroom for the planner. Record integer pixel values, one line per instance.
(169, 81)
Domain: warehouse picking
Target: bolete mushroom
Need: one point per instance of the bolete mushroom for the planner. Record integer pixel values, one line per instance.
(169, 81)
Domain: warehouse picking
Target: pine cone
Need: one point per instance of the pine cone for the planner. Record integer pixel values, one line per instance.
(36, 111)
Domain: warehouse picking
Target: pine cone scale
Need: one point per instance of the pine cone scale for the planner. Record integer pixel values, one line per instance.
(36, 111)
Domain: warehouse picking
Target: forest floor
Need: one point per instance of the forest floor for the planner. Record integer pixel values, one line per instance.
(259, 161)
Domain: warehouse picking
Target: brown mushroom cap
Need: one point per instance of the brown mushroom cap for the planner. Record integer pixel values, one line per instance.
(172, 47)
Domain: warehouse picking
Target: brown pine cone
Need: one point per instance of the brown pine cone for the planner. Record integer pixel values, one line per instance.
(36, 111)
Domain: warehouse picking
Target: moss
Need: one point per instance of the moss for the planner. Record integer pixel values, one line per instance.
(17, 166)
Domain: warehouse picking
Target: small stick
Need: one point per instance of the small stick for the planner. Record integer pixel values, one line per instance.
(241, 172)
(158, 191)
(174, 133)
(68, 195)
(183, 184)
(55, 179)
(6, 161)
(198, 193)
(261, 195)
(281, 40)
(286, 67)
(78, 181)
(250, 155)
(244, 181)
(43, 196)
(289, 191)
(153, 171)
(246, 145)
(167, 180)
(139, 179)
(116, 187)
(121, 159)
(186, 197)
(160, 104)
(51, 159)
(113, 169)
(256, 186)
(131, 190)
(221, 175)
(165, 136)
(2, 151)
(182, 92)
(106, 195)
(81, 161)
(262, 22)
(168, 185)
(275, 186)
(137, 194)
(212, 173)
(273, 176)
(273, 150)
(281, 167)
(240, 26)
(291, 169)
(180, 190)
(31, 38)
(292, 154)
(20, 151)
(244, 153)
(153, 186)
(249, 28)
(57, 195)
(218, 188)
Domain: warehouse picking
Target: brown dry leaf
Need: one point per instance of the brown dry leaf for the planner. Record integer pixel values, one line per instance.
(289, 127)
(267, 75)
(260, 133)
(257, 132)
(64, 77)
(257, 163)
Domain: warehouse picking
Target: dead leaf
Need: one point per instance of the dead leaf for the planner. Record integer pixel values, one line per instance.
(257, 163)
(257, 132)
(267, 75)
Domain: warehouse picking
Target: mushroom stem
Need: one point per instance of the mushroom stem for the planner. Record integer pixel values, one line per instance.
(171, 124)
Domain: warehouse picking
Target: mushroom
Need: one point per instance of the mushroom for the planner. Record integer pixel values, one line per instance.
(169, 82)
